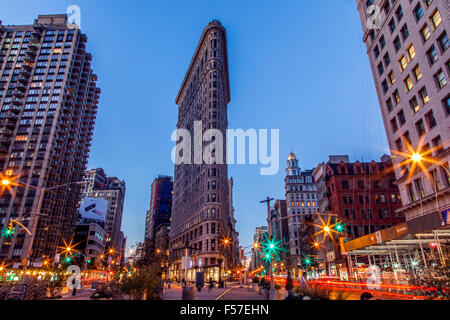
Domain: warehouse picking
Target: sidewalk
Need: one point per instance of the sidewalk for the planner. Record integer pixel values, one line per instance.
(174, 293)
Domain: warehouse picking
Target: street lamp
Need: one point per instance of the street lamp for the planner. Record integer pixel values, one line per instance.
(269, 222)
(11, 182)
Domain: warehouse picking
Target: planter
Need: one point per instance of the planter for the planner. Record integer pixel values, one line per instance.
(188, 293)
(277, 294)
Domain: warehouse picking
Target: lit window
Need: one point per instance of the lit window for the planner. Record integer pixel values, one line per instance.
(436, 18)
(440, 77)
(425, 33)
(21, 138)
(392, 77)
(396, 97)
(424, 95)
(403, 63)
(414, 104)
(408, 83)
(417, 73)
(411, 52)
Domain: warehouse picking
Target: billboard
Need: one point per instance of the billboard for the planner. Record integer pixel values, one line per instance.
(93, 208)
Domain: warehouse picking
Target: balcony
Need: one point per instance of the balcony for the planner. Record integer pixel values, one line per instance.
(31, 53)
(8, 123)
(6, 132)
(24, 80)
(26, 73)
(17, 101)
(18, 94)
(15, 110)
(3, 151)
(28, 66)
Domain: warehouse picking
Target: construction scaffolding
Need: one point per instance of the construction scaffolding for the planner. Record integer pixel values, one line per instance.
(403, 252)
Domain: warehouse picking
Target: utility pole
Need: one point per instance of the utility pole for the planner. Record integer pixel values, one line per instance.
(269, 223)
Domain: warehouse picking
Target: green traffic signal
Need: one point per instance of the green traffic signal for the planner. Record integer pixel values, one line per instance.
(7, 232)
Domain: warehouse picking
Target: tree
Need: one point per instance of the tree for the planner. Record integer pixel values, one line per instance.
(142, 281)
(56, 281)
(434, 282)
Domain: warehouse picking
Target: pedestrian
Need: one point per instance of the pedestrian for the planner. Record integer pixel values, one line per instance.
(211, 284)
(183, 281)
(289, 284)
(168, 283)
(366, 296)
(74, 292)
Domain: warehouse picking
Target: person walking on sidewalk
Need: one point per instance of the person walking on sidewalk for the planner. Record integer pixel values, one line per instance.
(211, 284)
(289, 284)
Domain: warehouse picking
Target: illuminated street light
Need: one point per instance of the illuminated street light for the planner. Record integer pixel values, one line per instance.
(69, 249)
(416, 157)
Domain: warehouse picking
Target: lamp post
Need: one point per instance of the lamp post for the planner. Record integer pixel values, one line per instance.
(269, 222)
(36, 214)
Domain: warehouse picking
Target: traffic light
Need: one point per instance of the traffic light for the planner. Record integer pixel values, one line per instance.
(68, 259)
(8, 231)
(339, 227)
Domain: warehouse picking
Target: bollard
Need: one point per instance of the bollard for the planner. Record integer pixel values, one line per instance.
(188, 293)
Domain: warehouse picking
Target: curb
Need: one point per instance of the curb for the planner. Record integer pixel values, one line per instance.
(221, 296)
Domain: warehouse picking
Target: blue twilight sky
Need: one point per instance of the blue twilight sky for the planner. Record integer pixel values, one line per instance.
(299, 66)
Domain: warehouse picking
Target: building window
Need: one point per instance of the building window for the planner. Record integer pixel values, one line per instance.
(425, 33)
(380, 68)
(436, 19)
(420, 128)
(394, 125)
(432, 54)
(391, 77)
(397, 44)
(443, 41)
(403, 64)
(419, 187)
(437, 144)
(389, 105)
(431, 120)
(396, 96)
(418, 12)
(424, 95)
(405, 32)
(412, 195)
(440, 79)
(385, 86)
(408, 83)
(401, 117)
(386, 59)
(411, 52)
(417, 73)
(446, 103)
(414, 104)
(399, 144)
(399, 13)
(376, 51)
(382, 42)
(392, 25)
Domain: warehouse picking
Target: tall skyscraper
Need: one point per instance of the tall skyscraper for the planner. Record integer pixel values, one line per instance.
(157, 223)
(301, 200)
(200, 207)
(260, 236)
(112, 189)
(48, 99)
(410, 59)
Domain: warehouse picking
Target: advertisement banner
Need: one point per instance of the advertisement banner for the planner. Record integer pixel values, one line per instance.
(93, 208)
